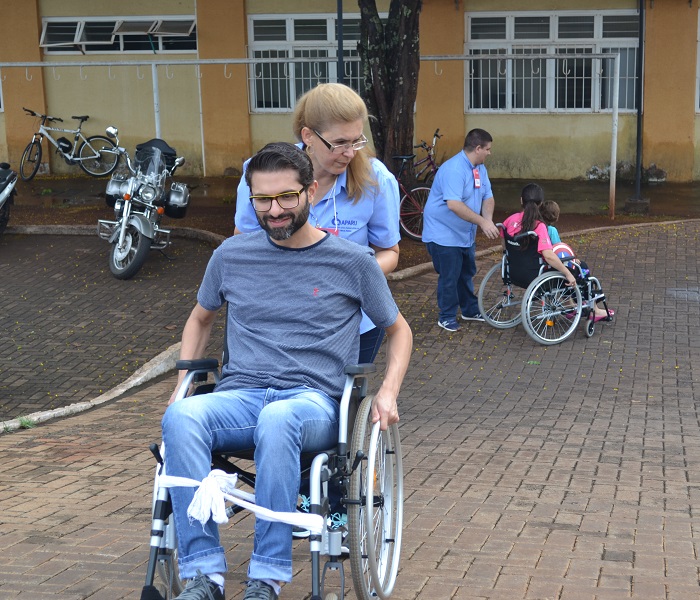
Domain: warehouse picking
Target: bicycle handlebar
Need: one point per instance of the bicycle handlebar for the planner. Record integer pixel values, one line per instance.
(47, 117)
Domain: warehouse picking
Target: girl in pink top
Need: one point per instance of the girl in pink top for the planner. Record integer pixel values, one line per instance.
(529, 220)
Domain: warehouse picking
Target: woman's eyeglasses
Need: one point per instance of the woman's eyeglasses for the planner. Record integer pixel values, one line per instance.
(285, 200)
(358, 144)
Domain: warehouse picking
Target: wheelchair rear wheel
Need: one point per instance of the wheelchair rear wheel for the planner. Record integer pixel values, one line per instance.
(375, 522)
(551, 310)
(499, 303)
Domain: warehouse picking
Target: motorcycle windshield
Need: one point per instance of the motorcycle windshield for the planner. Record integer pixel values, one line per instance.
(150, 161)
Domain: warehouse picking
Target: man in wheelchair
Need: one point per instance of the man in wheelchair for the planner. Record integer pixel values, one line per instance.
(294, 295)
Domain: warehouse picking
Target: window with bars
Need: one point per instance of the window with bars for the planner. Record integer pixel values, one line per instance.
(111, 35)
(506, 74)
(276, 82)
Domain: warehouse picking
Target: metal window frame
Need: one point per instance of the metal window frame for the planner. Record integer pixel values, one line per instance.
(292, 45)
(596, 46)
(84, 47)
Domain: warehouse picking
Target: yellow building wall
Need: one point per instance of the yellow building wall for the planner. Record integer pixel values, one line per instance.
(21, 87)
(440, 101)
(208, 120)
(554, 146)
(222, 33)
(669, 83)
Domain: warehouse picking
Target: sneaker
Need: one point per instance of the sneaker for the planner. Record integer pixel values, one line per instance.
(449, 325)
(474, 317)
(259, 590)
(202, 588)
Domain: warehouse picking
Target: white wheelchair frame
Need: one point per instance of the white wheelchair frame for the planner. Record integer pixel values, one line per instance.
(365, 465)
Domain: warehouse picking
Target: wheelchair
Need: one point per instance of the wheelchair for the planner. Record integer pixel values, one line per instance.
(522, 288)
(365, 466)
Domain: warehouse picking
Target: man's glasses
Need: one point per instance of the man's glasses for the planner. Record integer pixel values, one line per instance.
(285, 200)
(360, 143)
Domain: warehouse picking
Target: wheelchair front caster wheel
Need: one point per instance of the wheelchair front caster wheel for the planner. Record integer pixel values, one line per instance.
(590, 328)
(331, 596)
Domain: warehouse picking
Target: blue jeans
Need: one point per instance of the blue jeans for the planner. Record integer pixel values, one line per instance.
(455, 268)
(370, 341)
(279, 424)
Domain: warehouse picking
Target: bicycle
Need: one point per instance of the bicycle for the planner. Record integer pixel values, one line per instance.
(428, 171)
(96, 155)
(413, 202)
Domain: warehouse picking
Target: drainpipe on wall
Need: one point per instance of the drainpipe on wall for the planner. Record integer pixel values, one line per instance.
(637, 204)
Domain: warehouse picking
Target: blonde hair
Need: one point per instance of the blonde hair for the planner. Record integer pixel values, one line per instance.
(323, 106)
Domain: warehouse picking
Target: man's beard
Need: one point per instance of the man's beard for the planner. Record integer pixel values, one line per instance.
(298, 220)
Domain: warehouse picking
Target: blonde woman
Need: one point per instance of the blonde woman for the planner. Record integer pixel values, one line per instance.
(357, 196)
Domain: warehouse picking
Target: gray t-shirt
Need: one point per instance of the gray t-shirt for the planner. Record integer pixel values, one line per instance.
(294, 314)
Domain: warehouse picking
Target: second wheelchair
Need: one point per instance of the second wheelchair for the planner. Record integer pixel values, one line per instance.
(522, 288)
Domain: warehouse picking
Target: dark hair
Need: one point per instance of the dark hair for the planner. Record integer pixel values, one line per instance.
(281, 156)
(476, 137)
(549, 211)
(532, 196)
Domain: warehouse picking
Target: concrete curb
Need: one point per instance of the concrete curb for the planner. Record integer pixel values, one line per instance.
(428, 266)
(161, 364)
(165, 361)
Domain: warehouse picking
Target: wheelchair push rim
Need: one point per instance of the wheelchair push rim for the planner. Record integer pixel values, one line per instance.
(499, 302)
(551, 310)
(375, 517)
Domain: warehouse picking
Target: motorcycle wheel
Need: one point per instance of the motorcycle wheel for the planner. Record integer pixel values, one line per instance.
(4, 216)
(124, 264)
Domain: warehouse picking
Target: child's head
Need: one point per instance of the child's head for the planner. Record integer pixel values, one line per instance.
(531, 198)
(549, 211)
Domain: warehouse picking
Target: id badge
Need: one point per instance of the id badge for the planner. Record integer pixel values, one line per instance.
(335, 232)
(477, 179)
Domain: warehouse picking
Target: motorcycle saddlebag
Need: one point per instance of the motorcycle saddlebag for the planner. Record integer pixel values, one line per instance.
(177, 201)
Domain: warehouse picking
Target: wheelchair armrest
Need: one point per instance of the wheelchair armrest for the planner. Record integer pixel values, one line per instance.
(197, 364)
(360, 369)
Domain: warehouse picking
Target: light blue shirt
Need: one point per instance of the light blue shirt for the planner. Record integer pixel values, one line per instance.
(553, 234)
(373, 219)
(454, 181)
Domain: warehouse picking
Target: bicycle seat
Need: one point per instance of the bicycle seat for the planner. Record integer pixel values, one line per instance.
(81, 119)
(404, 157)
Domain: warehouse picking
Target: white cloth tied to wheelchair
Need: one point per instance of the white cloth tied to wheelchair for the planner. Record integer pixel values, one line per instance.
(209, 501)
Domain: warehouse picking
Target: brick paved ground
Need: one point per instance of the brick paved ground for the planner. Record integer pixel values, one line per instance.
(567, 472)
(71, 331)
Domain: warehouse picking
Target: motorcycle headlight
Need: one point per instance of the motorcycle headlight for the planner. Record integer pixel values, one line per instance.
(148, 193)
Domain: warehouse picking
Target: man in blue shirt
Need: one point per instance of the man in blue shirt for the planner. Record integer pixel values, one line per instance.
(460, 200)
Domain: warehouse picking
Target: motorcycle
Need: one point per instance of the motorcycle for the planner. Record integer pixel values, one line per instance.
(140, 198)
(8, 181)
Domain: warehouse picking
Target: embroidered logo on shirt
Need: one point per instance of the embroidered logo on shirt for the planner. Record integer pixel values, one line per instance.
(316, 290)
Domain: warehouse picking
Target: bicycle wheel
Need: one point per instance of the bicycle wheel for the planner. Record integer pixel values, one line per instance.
(98, 156)
(411, 212)
(428, 179)
(31, 160)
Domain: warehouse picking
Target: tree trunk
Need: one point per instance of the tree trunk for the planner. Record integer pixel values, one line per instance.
(390, 61)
